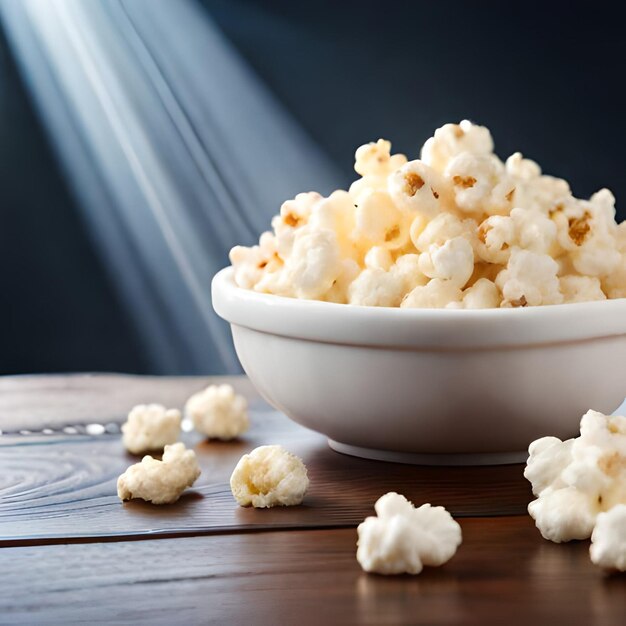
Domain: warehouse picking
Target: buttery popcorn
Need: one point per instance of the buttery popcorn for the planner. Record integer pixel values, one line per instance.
(160, 482)
(269, 476)
(576, 480)
(457, 228)
(150, 427)
(218, 412)
(401, 539)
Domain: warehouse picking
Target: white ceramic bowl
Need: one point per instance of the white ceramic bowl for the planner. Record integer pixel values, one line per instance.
(429, 385)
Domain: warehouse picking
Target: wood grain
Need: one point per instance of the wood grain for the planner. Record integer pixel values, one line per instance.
(503, 573)
(36, 402)
(62, 486)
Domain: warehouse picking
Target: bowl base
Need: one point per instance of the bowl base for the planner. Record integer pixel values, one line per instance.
(483, 458)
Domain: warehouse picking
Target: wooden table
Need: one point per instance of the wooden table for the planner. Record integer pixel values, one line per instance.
(73, 553)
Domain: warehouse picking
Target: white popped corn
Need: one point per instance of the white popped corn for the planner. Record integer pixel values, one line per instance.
(378, 258)
(442, 228)
(580, 288)
(453, 261)
(218, 412)
(528, 234)
(608, 540)
(436, 294)
(483, 294)
(379, 221)
(480, 184)
(269, 476)
(453, 139)
(376, 287)
(160, 482)
(529, 279)
(402, 539)
(417, 188)
(150, 427)
(576, 480)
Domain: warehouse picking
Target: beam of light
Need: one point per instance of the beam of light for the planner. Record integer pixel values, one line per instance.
(175, 151)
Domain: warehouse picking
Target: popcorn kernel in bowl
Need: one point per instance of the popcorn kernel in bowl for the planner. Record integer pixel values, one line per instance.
(460, 215)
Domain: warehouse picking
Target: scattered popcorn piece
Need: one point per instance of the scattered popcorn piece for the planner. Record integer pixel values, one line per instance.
(575, 480)
(218, 412)
(269, 476)
(150, 427)
(459, 214)
(403, 539)
(608, 540)
(160, 482)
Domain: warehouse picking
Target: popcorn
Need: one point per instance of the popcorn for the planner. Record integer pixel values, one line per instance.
(442, 228)
(608, 540)
(529, 279)
(526, 229)
(252, 264)
(311, 269)
(374, 159)
(533, 191)
(378, 258)
(335, 214)
(376, 287)
(160, 482)
(150, 427)
(453, 139)
(296, 212)
(576, 480)
(218, 412)
(437, 294)
(407, 269)
(614, 285)
(417, 188)
(452, 261)
(580, 288)
(269, 476)
(479, 184)
(379, 221)
(483, 294)
(496, 237)
(374, 162)
(417, 233)
(403, 539)
(338, 293)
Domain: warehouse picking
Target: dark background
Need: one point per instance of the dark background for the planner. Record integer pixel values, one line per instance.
(545, 78)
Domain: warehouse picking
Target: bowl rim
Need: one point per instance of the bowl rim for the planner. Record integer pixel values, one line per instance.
(348, 324)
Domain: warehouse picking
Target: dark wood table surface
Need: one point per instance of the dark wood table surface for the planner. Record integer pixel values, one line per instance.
(72, 553)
